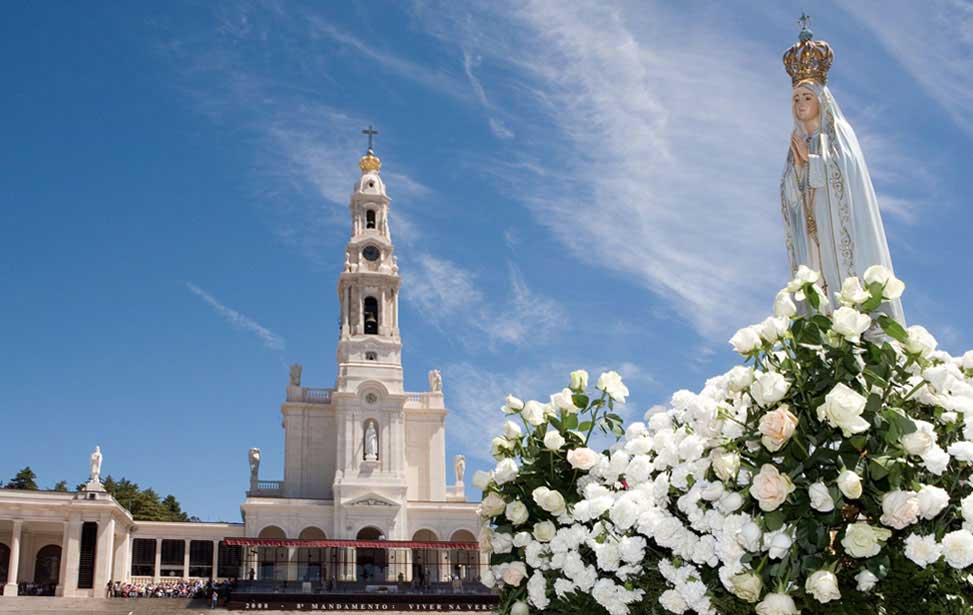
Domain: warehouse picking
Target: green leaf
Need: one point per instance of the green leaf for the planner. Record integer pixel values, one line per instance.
(571, 421)
(812, 296)
(876, 470)
(581, 401)
(859, 442)
(774, 520)
(584, 426)
(893, 329)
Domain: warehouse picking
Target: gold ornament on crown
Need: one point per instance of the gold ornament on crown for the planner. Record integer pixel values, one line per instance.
(370, 163)
(808, 59)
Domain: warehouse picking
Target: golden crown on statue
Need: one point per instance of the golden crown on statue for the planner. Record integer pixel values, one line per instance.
(807, 58)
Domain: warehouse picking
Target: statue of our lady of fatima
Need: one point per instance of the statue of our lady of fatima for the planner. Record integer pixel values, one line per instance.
(831, 215)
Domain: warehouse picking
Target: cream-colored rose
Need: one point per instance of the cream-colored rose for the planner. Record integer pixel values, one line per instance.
(842, 408)
(550, 500)
(562, 401)
(919, 340)
(966, 508)
(772, 329)
(866, 580)
(492, 505)
(500, 447)
(892, 287)
(821, 499)
(611, 382)
(511, 430)
(747, 586)
(768, 388)
(579, 380)
(863, 540)
(533, 413)
(850, 484)
(505, 471)
(804, 275)
(784, 306)
(553, 440)
(481, 479)
(583, 458)
(513, 573)
(900, 509)
(920, 441)
(513, 405)
(544, 531)
(746, 340)
(958, 549)
(849, 323)
(823, 585)
(519, 608)
(740, 378)
(777, 604)
(516, 512)
(725, 463)
(770, 488)
(777, 427)
(852, 293)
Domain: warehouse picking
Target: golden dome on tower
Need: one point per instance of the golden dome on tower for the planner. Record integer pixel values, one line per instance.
(370, 163)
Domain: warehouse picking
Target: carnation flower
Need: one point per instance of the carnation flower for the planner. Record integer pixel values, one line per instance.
(958, 548)
(923, 550)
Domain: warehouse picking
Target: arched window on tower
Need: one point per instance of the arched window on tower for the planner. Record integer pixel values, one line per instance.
(371, 315)
(370, 218)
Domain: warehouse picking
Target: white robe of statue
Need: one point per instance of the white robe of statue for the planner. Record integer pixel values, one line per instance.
(835, 179)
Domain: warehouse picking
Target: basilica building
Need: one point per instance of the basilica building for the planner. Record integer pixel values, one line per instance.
(364, 501)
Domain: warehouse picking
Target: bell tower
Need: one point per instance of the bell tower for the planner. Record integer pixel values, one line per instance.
(368, 289)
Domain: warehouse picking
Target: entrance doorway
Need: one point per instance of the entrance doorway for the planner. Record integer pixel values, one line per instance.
(370, 564)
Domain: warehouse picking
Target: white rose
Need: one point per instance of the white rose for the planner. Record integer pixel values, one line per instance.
(747, 586)
(920, 341)
(850, 484)
(852, 292)
(823, 585)
(513, 405)
(492, 505)
(804, 275)
(863, 540)
(777, 427)
(487, 578)
(900, 509)
(966, 362)
(849, 323)
(778, 543)
(544, 531)
(770, 488)
(821, 499)
(725, 463)
(772, 329)
(519, 608)
(562, 401)
(553, 440)
(516, 512)
(842, 408)
(923, 550)
(533, 413)
(962, 450)
(583, 458)
(966, 507)
(550, 500)
(481, 479)
(769, 388)
(892, 286)
(932, 501)
(777, 604)
(958, 548)
(866, 580)
(611, 382)
(511, 430)
(513, 573)
(740, 378)
(505, 471)
(500, 446)
(920, 441)
(750, 536)
(784, 306)
(746, 340)
(935, 460)
(579, 380)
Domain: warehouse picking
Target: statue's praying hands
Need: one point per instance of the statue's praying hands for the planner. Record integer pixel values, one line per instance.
(799, 149)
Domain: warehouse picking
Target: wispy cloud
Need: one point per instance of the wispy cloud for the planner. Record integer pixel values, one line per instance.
(497, 125)
(271, 340)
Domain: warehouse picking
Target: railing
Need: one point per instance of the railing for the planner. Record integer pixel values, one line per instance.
(267, 489)
(316, 396)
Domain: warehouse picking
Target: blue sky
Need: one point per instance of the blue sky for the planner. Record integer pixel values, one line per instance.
(573, 185)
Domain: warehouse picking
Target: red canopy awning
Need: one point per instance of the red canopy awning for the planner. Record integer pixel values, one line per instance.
(365, 544)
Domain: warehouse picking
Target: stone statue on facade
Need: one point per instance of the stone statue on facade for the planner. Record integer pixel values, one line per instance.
(459, 466)
(96, 466)
(254, 457)
(296, 370)
(435, 381)
(371, 442)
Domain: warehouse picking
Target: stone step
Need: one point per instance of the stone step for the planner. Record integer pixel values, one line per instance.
(99, 606)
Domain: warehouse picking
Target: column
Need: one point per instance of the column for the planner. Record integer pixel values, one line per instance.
(123, 558)
(216, 560)
(104, 554)
(158, 560)
(13, 568)
(62, 573)
(185, 558)
(291, 573)
(70, 558)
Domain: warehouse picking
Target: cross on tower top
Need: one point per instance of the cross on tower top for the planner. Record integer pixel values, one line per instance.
(370, 132)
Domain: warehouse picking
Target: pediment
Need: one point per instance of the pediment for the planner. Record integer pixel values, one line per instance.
(373, 500)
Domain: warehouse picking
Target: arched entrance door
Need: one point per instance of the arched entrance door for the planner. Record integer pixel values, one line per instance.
(464, 564)
(272, 561)
(47, 565)
(370, 564)
(311, 561)
(425, 562)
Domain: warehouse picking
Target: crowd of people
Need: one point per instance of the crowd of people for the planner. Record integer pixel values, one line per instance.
(178, 589)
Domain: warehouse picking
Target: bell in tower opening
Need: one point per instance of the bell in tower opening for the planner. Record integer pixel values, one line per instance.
(370, 218)
(371, 316)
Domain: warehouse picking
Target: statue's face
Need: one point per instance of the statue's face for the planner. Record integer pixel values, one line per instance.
(805, 104)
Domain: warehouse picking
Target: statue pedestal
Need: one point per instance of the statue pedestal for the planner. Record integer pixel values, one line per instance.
(94, 485)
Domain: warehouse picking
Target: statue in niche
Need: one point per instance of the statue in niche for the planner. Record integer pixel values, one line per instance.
(96, 459)
(831, 214)
(347, 262)
(459, 466)
(371, 442)
(435, 381)
(395, 264)
(296, 370)
(254, 457)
